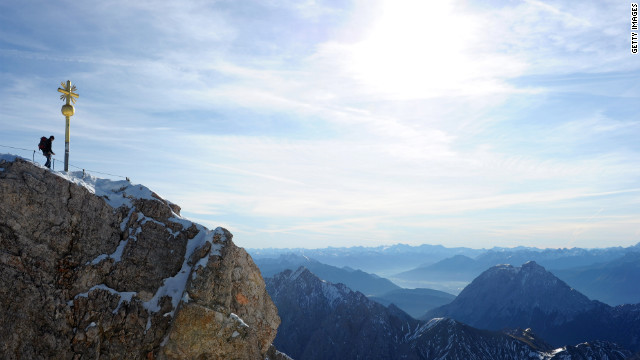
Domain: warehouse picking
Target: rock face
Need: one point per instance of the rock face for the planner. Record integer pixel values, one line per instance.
(93, 268)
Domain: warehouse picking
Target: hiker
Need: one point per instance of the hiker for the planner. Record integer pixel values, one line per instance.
(45, 146)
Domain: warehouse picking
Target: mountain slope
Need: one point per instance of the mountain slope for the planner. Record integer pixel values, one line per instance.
(458, 267)
(321, 320)
(531, 297)
(454, 273)
(505, 295)
(450, 275)
(368, 284)
(614, 282)
(415, 302)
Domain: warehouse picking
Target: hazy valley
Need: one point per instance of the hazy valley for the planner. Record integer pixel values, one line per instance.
(504, 292)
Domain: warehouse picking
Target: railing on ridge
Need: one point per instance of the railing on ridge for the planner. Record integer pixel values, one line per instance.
(33, 158)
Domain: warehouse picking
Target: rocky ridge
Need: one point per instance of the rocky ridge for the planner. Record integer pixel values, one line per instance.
(92, 268)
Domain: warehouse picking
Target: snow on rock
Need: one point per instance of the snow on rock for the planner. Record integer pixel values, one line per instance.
(116, 193)
(237, 319)
(111, 257)
(124, 296)
(296, 274)
(174, 287)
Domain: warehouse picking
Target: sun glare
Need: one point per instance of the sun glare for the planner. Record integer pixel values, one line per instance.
(416, 47)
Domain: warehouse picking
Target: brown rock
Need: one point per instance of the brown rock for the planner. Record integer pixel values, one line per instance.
(86, 275)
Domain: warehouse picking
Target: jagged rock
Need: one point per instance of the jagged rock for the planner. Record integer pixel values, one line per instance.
(92, 268)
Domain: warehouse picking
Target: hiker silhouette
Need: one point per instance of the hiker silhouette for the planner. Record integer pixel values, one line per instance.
(45, 146)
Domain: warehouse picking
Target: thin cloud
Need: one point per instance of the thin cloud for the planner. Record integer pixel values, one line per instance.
(357, 125)
(567, 17)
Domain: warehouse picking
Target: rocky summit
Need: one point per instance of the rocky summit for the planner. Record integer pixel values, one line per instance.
(92, 268)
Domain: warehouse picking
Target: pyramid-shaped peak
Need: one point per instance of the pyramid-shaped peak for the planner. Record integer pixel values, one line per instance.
(301, 271)
(532, 265)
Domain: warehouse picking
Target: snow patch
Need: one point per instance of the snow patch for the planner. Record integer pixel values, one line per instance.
(175, 286)
(421, 329)
(124, 295)
(238, 320)
(97, 260)
(165, 340)
(143, 219)
(116, 256)
(125, 221)
(332, 293)
(295, 275)
(182, 221)
(116, 193)
(186, 298)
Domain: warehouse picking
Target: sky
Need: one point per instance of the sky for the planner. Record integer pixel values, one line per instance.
(316, 123)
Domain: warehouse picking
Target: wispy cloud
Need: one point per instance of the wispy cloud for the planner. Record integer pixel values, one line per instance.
(354, 122)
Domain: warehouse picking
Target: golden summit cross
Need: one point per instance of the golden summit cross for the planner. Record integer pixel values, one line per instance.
(68, 92)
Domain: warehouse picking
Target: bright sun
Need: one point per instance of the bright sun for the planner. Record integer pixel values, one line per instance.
(416, 48)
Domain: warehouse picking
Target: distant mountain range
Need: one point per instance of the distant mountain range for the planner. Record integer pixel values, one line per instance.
(609, 275)
(415, 302)
(321, 320)
(614, 282)
(455, 268)
(388, 260)
(531, 297)
(464, 267)
(382, 260)
(368, 284)
(606, 274)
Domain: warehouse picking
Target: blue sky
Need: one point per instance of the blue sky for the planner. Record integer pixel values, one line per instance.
(315, 123)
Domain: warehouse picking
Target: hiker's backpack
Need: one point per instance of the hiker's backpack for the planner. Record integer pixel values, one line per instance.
(43, 143)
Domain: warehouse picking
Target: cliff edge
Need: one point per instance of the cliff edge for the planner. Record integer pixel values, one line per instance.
(93, 268)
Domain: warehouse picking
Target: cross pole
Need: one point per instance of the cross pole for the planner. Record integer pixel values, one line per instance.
(69, 94)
